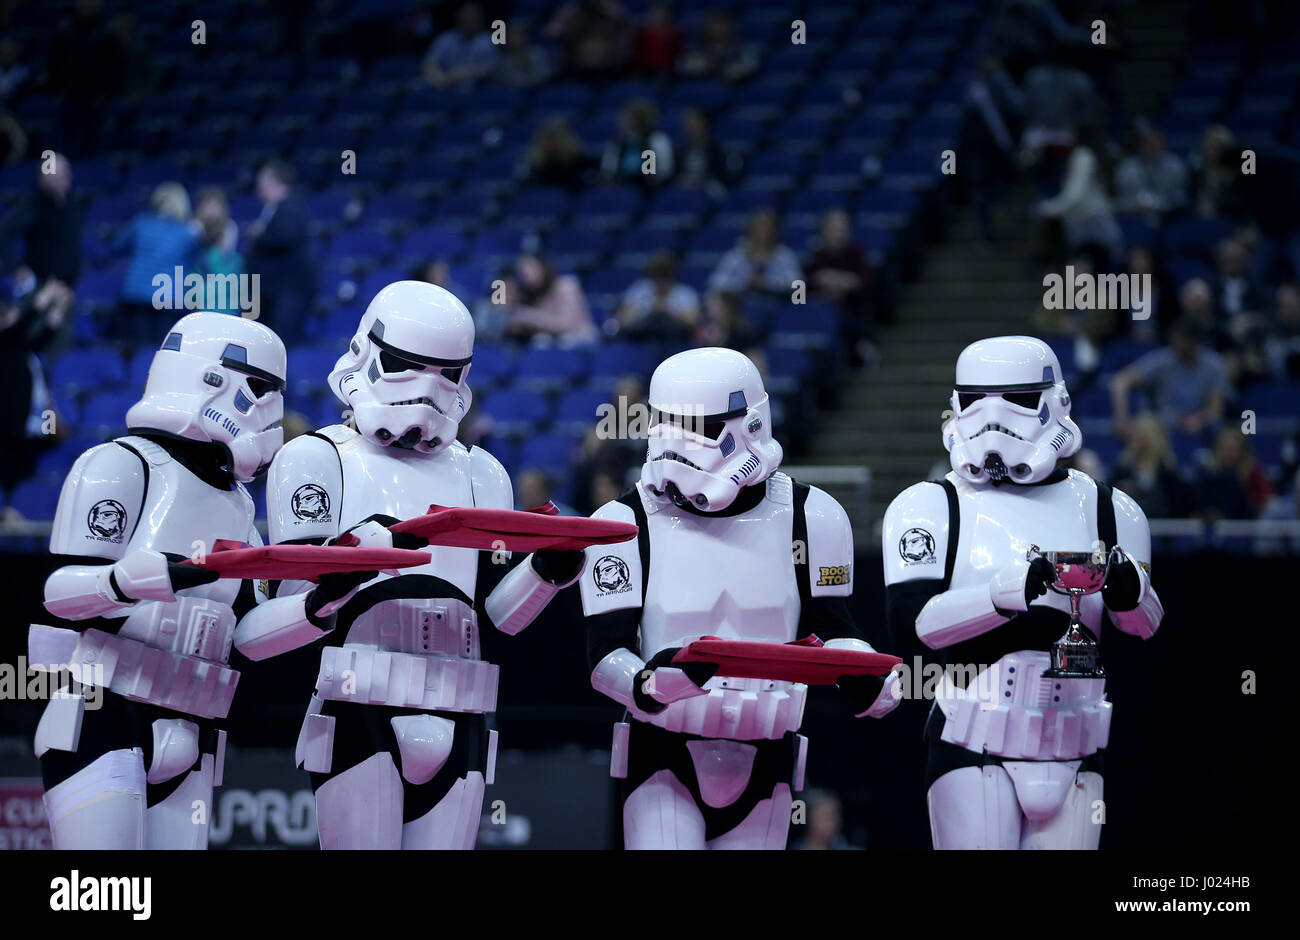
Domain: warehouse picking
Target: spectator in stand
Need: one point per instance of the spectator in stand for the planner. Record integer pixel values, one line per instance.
(1235, 291)
(1234, 485)
(556, 158)
(825, 829)
(701, 161)
(535, 488)
(461, 56)
(759, 263)
(726, 325)
(1147, 316)
(159, 241)
(552, 306)
(524, 64)
(658, 41)
(217, 253)
(29, 423)
(1082, 204)
(718, 52)
(492, 314)
(608, 464)
(1148, 471)
(658, 306)
(1284, 508)
(990, 129)
(438, 273)
(1282, 344)
(625, 159)
(1057, 97)
(594, 35)
(839, 272)
(1187, 380)
(1152, 183)
(280, 253)
(48, 219)
(1215, 169)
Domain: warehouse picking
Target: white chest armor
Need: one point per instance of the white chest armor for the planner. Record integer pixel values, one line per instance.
(173, 653)
(410, 652)
(1010, 709)
(731, 577)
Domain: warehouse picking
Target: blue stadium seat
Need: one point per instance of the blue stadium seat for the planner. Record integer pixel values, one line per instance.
(576, 411)
(36, 499)
(549, 452)
(548, 369)
(493, 365)
(83, 370)
(107, 410)
(432, 242)
(515, 413)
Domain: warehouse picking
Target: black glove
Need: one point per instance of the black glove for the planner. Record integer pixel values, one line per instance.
(556, 565)
(1041, 573)
(184, 576)
(329, 588)
(861, 690)
(1123, 584)
(699, 673)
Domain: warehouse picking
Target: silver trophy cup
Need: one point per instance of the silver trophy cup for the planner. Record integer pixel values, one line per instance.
(1076, 655)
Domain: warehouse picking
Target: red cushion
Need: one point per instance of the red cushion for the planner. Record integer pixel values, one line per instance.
(302, 562)
(514, 531)
(804, 660)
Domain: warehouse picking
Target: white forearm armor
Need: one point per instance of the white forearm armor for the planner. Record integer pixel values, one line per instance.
(276, 626)
(521, 595)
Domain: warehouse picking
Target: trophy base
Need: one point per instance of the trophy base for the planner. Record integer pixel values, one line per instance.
(1075, 661)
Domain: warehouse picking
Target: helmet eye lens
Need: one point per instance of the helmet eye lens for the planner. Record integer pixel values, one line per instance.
(709, 429)
(453, 375)
(1024, 399)
(390, 363)
(260, 387)
(966, 399)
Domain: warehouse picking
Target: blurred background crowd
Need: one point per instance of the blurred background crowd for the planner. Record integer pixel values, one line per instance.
(499, 149)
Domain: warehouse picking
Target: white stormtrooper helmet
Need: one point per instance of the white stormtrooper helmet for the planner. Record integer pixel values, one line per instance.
(1011, 412)
(710, 429)
(218, 378)
(404, 374)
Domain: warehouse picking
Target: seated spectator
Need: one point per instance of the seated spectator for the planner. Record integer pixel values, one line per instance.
(993, 108)
(759, 263)
(701, 161)
(1215, 169)
(1235, 290)
(717, 51)
(524, 64)
(493, 313)
(216, 252)
(658, 306)
(825, 829)
(461, 56)
(840, 272)
(29, 424)
(594, 35)
(1281, 509)
(1082, 204)
(534, 487)
(1282, 342)
(556, 157)
(551, 306)
(726, 325)
(160, 241)
(1187, 380)
(625, 159)
(1234, 485)
(1147, 470)
(658, 41)
(1153, 182)
(438, 273)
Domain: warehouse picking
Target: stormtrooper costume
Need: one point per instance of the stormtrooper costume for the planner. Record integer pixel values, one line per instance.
(396, 737)
(728, 547)
(1014, 754)
(132, 748)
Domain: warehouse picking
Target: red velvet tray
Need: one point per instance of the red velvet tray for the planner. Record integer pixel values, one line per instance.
(514, 531)
(803, 660)
(302, 562)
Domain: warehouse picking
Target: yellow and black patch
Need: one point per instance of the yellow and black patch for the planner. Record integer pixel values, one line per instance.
(837, 574)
